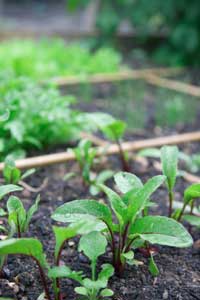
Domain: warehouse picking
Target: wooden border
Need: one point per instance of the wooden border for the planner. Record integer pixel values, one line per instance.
(63, 157)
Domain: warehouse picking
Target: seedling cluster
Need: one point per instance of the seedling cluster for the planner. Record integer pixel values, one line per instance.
(121, 224)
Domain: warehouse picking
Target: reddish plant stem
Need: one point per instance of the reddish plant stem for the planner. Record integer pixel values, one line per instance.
(125, 165)
(171, 198)
(43, 278)
(112, 240)
(18, 228)
(125, 235)
(59, 295)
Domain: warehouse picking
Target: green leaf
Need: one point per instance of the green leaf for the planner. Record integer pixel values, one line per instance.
(106, 293)
(193, 220)
(28, 173)
(128, 255)
(65, 272)
(118, 206)
(33, 209)
(150, 152)
(192, 192)
(153, 267)
(9, 188)
(106, 272)
(161, 230)
(25, 246)
(69, 176)
(93, 245)
(3, 213)
(138, 200)
(82, 209)
(81, 291)
(115, 130)
(17, 213)
(41, 297)
(10, 172)
(62, 234)
(126, 181)
(169, 159)
(5, 116)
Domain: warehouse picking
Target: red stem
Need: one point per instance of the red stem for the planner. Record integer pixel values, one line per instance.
(125, 165)
(42, 275)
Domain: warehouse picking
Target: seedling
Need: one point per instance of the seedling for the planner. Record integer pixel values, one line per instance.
(133, 227)
(18, 216)
(169, 159)
(33, 248)
(13, 175)
(93, 288)
(5, 190)
(191, 194)
(114, 131)
(85, 156)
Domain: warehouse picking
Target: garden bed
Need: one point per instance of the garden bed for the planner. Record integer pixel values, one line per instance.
(179, 268)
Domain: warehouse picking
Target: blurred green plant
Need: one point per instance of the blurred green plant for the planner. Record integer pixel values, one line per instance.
(53, 58)
(38, 117)
(178, 21)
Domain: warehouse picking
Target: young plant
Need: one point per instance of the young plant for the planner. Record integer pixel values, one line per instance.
(132, 226)
(5, 190)
(33, 248)
(114, 131)
(93, 288)
(13, 175)
(191, 194)
(17, 215)
(85, 156)
(169, 160)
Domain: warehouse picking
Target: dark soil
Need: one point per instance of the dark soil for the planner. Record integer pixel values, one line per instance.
(179, 268)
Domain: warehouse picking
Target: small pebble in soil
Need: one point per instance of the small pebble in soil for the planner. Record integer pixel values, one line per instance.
(82, 258)
(165, 295)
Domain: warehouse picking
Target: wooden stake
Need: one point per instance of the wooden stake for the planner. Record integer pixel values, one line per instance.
(56, 158)
(113, 77)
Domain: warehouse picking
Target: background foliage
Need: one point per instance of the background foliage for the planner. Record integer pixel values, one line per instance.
(177, 20)
(37, 116)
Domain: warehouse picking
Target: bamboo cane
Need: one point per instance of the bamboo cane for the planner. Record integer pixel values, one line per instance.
(56, 158)
(114, 77)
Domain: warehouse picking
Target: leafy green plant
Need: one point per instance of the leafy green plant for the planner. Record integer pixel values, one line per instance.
(33, 248)
(133, 227)
(34, 109)
(13, 175)
(85, 156)
(181, 44)
(93, 288)
(113, 129)
(51, 58)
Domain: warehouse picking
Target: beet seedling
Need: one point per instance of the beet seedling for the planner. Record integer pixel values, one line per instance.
(169, 160)
(13, 175)
(133, 226)
(33, 248)
(114, 131)
(191, 194)
(17, 215)
(85, 156)
(93, 245)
